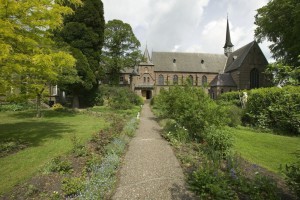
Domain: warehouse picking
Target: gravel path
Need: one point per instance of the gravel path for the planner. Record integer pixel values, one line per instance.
(150, 169)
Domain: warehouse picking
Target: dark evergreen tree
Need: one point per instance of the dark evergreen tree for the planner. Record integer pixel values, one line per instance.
(83, 32)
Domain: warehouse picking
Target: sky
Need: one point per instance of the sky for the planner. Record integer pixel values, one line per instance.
(188, 25)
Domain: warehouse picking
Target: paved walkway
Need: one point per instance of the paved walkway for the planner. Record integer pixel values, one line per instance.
(150, 169)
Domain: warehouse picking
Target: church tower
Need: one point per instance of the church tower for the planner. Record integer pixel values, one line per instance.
(228, 47)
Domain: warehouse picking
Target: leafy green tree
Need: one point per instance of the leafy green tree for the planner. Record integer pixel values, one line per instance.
(83, 32)
(120, 49)
(278, 22)
(29, 57)
(281, 74)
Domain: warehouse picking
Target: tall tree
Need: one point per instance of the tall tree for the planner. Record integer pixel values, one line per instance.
(83, 32)
(120, 49)
(279, 23)
(29, 57)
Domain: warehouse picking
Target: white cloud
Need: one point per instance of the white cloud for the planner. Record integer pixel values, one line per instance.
(187, 25)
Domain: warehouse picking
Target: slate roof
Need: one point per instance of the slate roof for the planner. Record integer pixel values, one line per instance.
(223, 80)
(236, 58)
(130, 70)
(188, 62)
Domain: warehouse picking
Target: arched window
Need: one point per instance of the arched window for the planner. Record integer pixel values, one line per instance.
(144, 79)
(191, 79)
(161, 80)
(175, 79)
(254, 78)
(204, 80)
(148, 79)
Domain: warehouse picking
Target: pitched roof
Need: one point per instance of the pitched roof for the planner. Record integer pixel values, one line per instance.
(236, 58)
(188, 62)
(223, 80)
(130, 70)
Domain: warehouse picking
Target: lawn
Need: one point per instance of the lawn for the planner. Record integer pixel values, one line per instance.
(46, 138)
(265, 149)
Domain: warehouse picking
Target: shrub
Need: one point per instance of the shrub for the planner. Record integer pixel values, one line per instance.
(232, 98)
(57, 164)
(121, 98)
(292, 172)
(58, 107)
(9, 146)
(209, 183)
(72, 186)
(175, 133)
(234, 115)
(191, 108)
(77, 147)
(16, 106)
(274, 108)
(219, 142)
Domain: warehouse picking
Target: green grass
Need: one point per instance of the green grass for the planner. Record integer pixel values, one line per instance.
(129, 112)
(47, 138)
(265, 149)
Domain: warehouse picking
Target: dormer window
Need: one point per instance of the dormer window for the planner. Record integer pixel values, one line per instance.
(202, 61)
(174, 60)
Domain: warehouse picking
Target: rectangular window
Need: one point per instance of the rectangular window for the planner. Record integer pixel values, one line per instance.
(121, 79)
(54, 90)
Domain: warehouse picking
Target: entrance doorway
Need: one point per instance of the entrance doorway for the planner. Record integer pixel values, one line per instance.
(148, 94)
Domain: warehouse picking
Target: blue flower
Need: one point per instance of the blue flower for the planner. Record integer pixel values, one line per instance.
(233, 173)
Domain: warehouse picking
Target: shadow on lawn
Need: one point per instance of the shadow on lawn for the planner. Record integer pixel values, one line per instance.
(33, 133)
(30, 114)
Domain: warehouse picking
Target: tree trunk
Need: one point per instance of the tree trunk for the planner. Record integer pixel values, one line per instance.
(75, 101)
(38, 102)
(38, 105)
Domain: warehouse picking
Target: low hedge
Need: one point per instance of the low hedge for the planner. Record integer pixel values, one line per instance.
(275, 108)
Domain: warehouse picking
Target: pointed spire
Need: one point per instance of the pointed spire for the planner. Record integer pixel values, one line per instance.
(228, 47)
(146, 56)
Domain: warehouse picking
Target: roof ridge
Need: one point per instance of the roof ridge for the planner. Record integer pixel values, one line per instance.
(170, 52)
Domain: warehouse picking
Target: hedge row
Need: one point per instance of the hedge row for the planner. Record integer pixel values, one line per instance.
(271, 108)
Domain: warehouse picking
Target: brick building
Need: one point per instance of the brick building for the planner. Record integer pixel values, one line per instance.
(217, 73)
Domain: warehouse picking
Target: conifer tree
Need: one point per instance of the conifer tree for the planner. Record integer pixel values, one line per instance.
(83, 32)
